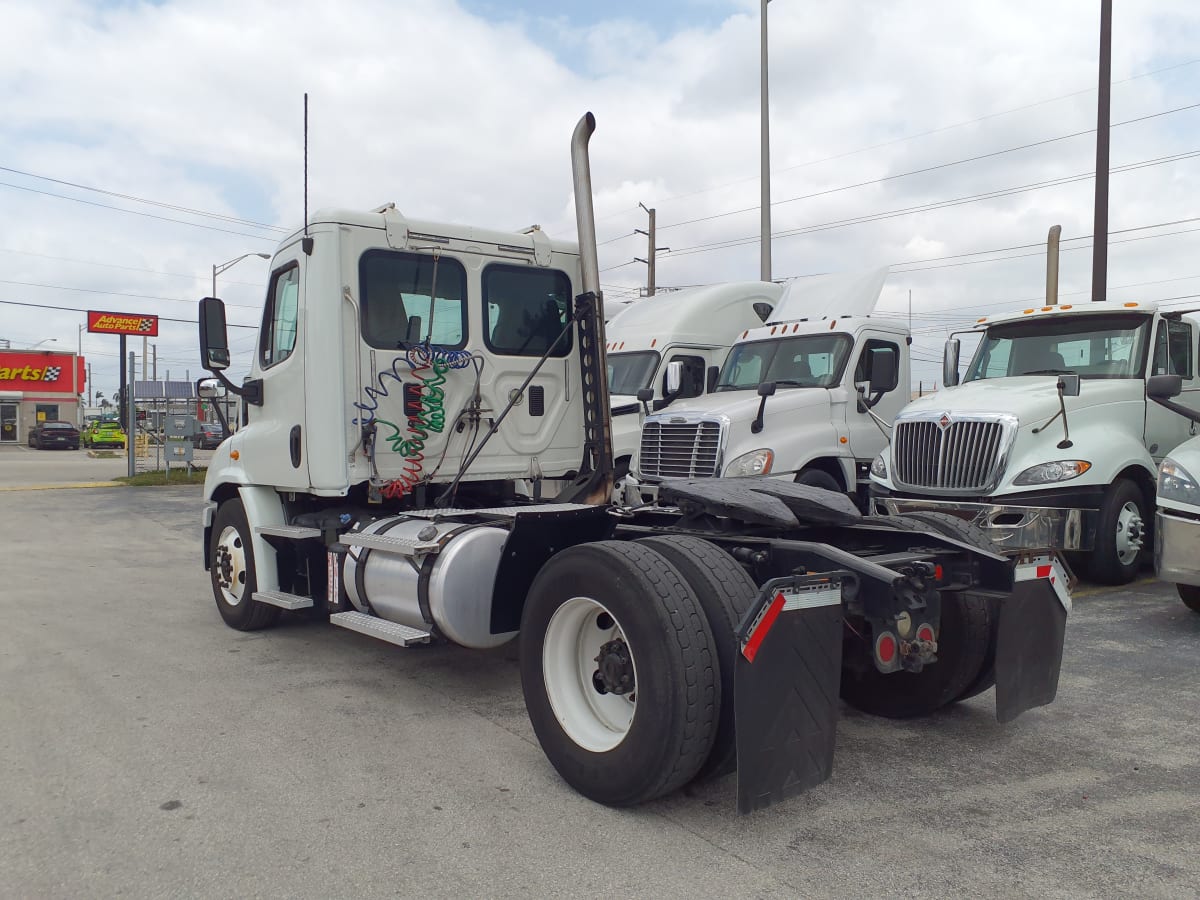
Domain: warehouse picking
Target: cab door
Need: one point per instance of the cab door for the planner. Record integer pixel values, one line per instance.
(271, 443)
(1174, 353)
(868, 437)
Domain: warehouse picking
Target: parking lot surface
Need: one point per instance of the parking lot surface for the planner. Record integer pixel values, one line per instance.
(146, 750)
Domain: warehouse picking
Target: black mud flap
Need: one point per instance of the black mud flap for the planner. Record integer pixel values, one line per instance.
(786, 689)
(1029, 648)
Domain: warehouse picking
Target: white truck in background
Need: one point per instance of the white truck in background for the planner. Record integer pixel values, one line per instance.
(808, 396)
(673, 344)
(410, 377)
(1049, 440)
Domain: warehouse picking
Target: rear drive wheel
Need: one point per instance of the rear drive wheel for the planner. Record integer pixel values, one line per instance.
(1190, 595)
(725, 592)
(964, 642)
(231, 567)
(619, 673)
(1121, 534)
(971, 534)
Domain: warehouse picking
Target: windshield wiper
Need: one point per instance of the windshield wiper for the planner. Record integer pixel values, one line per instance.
(1050, 372)
(793, 382)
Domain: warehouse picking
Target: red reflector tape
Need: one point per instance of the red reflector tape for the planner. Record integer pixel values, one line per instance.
(764, 625)
(1043, 571)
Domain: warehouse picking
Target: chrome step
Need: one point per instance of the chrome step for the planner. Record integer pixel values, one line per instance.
(296, 532)
(375, 627)
(389, 544)
(283, 599)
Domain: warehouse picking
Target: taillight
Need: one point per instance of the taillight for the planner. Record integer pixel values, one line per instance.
(885, 648)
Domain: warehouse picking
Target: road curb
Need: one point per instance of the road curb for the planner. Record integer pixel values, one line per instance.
(70, 486)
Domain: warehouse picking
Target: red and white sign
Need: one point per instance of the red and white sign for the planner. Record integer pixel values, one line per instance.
(122, 323)
(40, 373)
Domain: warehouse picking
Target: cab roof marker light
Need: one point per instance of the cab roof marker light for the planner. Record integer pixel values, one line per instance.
(1129, 304)
(653, 341)
(982, 319)
(1066, 306)
(1028, 311)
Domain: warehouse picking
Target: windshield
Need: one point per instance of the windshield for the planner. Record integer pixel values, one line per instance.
(64, 425)
(1100, 346)
(811, 360)
(628, 373)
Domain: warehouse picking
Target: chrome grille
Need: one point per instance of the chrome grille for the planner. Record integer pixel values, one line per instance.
(965, 455)
(680, 450)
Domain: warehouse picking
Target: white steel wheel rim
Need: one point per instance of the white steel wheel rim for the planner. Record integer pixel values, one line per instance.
(230, 542)
(1129, 532)
(595, 721)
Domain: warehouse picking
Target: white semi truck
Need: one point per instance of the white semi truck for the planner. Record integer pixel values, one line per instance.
(1177, 519)
(410, 377)
(1049, 441)
(808, 397)
(672, 345)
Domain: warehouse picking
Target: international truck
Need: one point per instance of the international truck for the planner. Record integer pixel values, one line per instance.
(808, 396)
(1177, 518)
(672, 345)
(1049, 440)
(459, 489)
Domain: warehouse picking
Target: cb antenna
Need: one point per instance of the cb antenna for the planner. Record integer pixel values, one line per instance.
(306, 243)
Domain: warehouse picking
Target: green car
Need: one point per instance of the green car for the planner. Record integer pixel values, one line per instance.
(104, 434)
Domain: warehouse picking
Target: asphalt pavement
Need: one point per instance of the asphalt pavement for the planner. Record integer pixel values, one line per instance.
(146, 750)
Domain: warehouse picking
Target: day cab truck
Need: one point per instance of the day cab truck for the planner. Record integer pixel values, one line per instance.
(1177, 519)
(459, 490)
(672, 345)
(1049, 440)
(808, 396)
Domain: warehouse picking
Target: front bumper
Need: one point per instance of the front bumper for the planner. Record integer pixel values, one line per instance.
(1176, 548)
(1013, 528)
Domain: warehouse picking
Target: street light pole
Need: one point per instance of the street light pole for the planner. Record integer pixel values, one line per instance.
(765, 145)
(218, 269)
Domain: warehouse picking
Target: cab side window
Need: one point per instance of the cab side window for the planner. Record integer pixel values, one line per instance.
(280, 317)
(1173, 349)
(692, 384)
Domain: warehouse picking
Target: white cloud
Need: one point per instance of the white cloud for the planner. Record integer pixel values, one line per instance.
(465, 116)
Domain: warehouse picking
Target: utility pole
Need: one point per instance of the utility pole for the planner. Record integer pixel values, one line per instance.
(765, 146)
(154, 360)
(652, 250)
(1100, 229)
(89, 384)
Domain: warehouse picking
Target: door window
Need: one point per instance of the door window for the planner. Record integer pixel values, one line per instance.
(409, 298)
(692, 383)
(1173, 349)
(280, 316)
(526, 310)
(862, 371)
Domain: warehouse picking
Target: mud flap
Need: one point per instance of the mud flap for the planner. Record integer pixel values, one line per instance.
(786, 689)
(1029, 643)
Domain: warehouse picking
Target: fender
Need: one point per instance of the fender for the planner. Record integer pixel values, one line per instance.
(263, 507)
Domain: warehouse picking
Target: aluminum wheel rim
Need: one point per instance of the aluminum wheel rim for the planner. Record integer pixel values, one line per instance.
(231, 551)
(595, 721)
(1130, 533)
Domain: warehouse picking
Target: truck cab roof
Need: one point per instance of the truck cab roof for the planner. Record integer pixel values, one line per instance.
(712, 314)
(1094, 308)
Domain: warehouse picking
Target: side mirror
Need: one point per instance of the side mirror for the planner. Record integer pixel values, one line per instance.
(1164, 387)
(645, 395)
(673, 380)
(214, 339)
(1068, 385)
(766, 389)
(950, 363)
(710, 379)
(885, 370)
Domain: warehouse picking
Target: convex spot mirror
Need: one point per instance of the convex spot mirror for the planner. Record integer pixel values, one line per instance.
(1068, 385)
(214, 339)
(210, 388)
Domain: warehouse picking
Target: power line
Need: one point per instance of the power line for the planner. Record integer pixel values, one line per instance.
(196, 212)
(81, 309)
(87, 262)
(900, 140)
(134, 212)
(60, 287)
(926, 169)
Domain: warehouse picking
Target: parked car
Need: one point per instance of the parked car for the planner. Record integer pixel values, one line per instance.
(104, 434)
(208, 436)
(47, 435)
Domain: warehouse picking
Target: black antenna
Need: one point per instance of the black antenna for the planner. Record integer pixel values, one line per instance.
(307, 243)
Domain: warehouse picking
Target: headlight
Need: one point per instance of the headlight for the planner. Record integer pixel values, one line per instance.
(879, 466)
(1176, 483)
(1053, 472)
(756, 462)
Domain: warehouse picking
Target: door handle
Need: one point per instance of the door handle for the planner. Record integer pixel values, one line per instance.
(294, 446)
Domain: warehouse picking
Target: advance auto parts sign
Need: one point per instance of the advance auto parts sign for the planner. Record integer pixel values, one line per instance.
(40, 373)
(122, 323)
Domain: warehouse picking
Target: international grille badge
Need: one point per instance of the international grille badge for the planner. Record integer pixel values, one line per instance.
(944, 421)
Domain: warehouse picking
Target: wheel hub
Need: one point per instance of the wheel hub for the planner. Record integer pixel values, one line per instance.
(1131, 533)
(614, 674)
(224, 566)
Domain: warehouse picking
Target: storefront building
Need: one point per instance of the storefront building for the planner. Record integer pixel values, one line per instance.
(38, 386)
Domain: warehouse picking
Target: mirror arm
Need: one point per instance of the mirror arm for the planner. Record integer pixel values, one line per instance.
(1062, 411)
(757, 425)
(251, 391)
(1189, 414)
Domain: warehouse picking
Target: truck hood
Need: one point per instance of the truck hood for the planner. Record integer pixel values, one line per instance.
(742, 406)
(1031, 398)
(621, 404)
